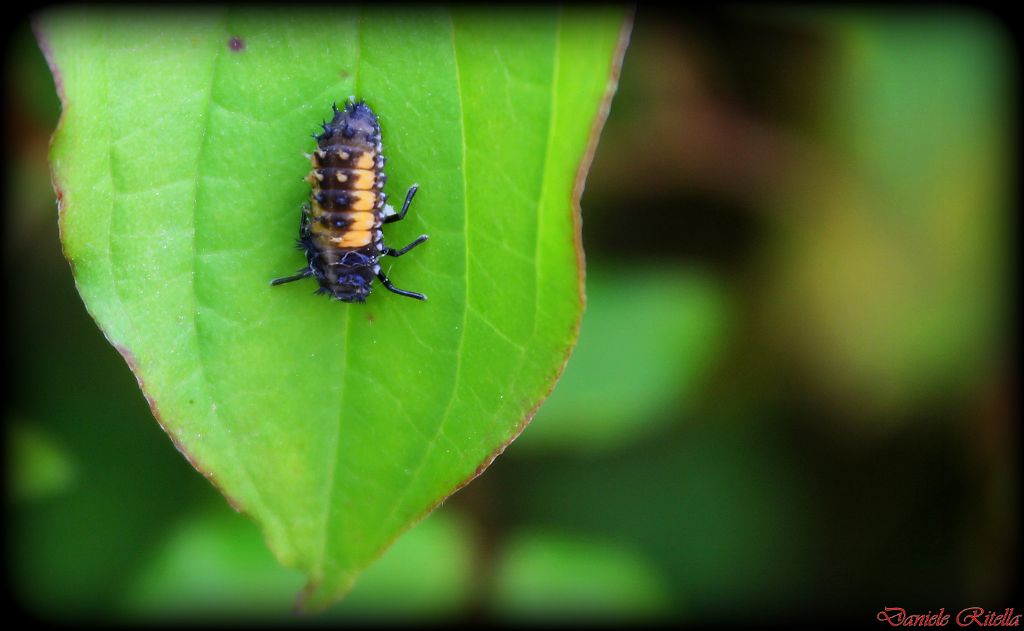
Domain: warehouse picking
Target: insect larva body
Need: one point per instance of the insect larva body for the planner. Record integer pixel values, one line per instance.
(340, 228)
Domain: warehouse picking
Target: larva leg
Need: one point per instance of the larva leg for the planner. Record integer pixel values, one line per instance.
(393, 252)
(405, 207)
(387, 283)
(306, 273)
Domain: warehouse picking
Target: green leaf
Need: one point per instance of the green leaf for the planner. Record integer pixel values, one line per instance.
(178, 168)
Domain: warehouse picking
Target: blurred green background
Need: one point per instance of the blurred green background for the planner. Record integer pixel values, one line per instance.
(792, 395)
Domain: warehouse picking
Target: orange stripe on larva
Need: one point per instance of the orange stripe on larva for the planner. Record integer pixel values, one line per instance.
(362, 200)
(361, 221)
(366, 160)
(363, 180)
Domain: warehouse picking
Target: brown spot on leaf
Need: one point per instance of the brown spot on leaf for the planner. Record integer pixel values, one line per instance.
(236, 44)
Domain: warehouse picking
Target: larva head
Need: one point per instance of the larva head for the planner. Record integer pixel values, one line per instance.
(354, 125)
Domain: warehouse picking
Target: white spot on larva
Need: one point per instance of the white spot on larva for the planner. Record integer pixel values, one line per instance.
(342, 177)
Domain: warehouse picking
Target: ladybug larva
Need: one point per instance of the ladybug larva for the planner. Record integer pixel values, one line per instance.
(340, 227)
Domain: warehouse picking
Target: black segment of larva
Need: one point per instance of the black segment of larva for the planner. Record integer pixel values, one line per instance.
(340, 227)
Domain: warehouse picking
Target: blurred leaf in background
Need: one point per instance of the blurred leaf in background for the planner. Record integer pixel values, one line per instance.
(719, 508)
(646, 348)
(893, 245)
(215, 566)
(37, 467)
(547, 576)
